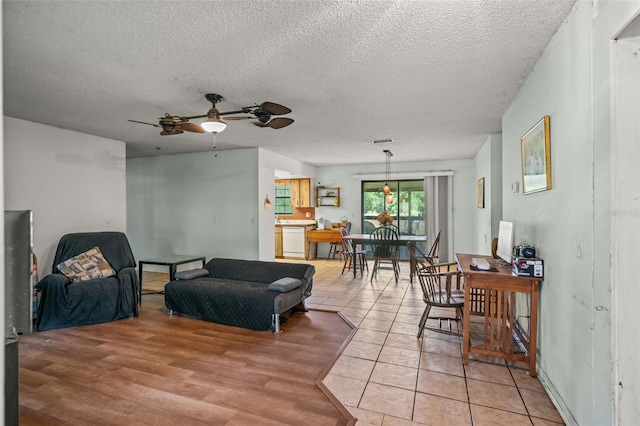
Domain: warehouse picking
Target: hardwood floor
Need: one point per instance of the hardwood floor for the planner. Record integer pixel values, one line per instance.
(158, 369)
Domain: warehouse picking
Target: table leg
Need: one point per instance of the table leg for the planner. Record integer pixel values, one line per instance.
(172, 272)
(533, 332)
(466, 320)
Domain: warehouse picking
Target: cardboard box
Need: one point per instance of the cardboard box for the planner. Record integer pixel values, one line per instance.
(528, 267)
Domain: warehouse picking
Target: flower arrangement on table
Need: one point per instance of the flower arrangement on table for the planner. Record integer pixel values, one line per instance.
(385, 217)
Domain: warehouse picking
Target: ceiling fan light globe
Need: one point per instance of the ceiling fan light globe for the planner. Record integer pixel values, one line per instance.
(213, 125)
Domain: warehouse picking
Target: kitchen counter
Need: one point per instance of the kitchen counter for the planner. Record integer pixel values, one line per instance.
(295, 222)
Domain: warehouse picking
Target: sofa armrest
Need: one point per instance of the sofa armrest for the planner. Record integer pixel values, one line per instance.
(191, 274)
(285, 284)
(52, 281)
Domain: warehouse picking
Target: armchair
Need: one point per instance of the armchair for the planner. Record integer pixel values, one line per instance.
(65, 303)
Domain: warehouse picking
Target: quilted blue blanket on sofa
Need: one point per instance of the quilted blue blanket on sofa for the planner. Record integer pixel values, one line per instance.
(235, 292)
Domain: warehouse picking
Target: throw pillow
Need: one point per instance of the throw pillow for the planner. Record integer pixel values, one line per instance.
(86, 266)
(284, 284)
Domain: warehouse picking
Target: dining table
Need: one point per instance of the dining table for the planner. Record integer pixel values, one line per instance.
(365, 239)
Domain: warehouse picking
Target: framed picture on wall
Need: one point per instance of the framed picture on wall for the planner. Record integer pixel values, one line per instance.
(535, 149)
(480, 194)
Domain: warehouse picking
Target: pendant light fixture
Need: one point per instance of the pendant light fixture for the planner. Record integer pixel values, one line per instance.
(386, 188)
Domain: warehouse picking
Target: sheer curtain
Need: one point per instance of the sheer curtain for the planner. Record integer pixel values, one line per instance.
(438, 200)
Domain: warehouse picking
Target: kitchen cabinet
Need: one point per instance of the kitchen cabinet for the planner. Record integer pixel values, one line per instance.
(304, 197)
(300, 191)
(278, 235)
(327, 197)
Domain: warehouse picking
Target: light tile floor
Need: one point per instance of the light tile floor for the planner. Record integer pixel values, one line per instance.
(386, 376)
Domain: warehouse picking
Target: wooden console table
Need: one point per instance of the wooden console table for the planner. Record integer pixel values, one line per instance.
(492, 295)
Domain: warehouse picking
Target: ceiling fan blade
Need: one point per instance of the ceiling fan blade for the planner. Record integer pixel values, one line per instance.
(169, 132)
(279, 122)
(143, 122)
(275, 109)
(191, 127)
(238, 118)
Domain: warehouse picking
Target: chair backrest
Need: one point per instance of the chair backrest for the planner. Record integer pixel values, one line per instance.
(436, 285)
(378, 238)
(113, 245)
(435, 247)
(347, 226)
(347, 245)
(367, 227)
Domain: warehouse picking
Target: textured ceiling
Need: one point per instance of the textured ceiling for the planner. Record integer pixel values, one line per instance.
(436, 76)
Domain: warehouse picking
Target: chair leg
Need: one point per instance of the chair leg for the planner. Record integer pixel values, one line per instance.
(396, 269)
(347, 264)
(363, 263)
(332, 249)
(374, 271)
(423, 320)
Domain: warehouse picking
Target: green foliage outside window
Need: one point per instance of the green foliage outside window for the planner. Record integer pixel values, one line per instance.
(407, 207)
(283, 200)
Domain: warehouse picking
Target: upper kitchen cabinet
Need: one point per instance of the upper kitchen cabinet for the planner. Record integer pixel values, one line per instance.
(299, 191)
(304, 193)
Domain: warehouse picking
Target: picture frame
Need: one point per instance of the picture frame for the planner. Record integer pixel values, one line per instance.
(535, 152)
(480, 194)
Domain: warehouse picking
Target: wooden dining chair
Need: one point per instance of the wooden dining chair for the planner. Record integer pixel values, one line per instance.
(384, 251)
(335, 248)
(352, 258)
(438, 282)
(433, 253)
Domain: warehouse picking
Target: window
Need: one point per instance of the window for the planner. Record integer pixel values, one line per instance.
(407, 208)
(283, 199)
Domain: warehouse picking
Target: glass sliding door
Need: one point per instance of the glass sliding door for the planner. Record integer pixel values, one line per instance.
(406, 207)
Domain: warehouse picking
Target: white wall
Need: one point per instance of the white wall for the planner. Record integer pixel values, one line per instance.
(205, 203)
(464, 195)
(72, 181)
(569, 224)
(194, 204)
(616, 113)
(488, 165)
(559, 222)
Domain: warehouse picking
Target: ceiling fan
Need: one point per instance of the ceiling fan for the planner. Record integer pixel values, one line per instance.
(263, 113)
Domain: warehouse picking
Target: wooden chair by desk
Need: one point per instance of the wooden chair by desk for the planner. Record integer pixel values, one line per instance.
(498, 308)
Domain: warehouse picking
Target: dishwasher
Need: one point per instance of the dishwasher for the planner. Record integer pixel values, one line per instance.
(293, 241)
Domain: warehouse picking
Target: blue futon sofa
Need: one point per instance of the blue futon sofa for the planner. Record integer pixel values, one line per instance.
(244, 293)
